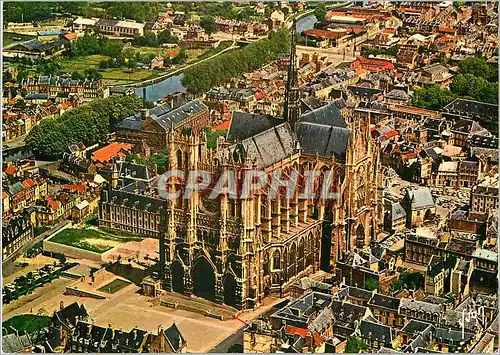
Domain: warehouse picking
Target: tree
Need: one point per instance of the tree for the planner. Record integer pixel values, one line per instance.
(103, 64)
(92, 73)
(371, 284)
(478, 66)
(355, 345)
(208, 24)
(431, 97)
(76, 75)
(89, 124)
(320, 12)
(223, 68)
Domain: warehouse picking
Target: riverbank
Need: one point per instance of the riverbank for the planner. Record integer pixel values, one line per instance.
(178, 70)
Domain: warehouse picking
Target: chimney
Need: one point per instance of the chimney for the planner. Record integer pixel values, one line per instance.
(144, 113)
(144, 97)
(160, 329)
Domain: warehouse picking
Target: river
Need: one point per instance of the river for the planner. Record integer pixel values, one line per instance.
(162, 88)
(306, 23)
(173, 84)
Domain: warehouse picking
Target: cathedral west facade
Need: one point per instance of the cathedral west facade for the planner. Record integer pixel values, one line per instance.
(239, 250)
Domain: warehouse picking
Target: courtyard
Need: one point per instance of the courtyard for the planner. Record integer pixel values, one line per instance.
(127, 308)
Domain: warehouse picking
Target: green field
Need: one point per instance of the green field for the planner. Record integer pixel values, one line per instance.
(114, 286)
(89, 239)
(110, 75)
(25, 323)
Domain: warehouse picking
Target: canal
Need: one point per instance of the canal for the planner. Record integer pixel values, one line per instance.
(173, 84)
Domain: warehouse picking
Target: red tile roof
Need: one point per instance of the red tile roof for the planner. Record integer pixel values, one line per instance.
(70, 36)
(4, 195)
(11, 170)
(223, 126)
(28, 183)
(110, 151)
(78, 188)
(372, 64)
(392, 133)
(324, 34)
(290, 329)
(53, 205)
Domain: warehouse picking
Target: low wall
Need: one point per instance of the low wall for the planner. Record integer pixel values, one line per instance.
(70, 251)
(71, 291)
(177, 305)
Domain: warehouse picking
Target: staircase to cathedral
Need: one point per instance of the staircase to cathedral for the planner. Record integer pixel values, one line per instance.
(197, 305)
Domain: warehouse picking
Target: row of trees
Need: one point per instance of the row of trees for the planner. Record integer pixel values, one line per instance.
(89, 124)
(153, 40)
(221, 69)
(34, 11)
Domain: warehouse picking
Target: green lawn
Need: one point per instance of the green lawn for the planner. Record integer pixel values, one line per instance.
(25, 323)
(73, 64)
(114, 286)
(88, 239)
(110, 75)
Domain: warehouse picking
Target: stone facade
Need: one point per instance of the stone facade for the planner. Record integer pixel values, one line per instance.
(237, 251)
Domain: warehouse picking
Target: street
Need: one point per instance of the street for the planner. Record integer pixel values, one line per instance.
(234, 343)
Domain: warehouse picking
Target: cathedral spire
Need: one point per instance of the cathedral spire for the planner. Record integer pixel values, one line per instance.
(292, 106)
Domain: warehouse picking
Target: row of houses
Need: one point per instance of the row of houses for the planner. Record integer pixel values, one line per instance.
(326, 320)
(71, 330)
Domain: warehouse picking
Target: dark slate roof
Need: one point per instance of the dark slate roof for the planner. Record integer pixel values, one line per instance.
(376, 331)
(132, 171)
(175, 338)
(245, 125)
(70, 315)
(323, 140)
(484, 141)
(473, 109)
(32, 45)
(435, 299)
(132, 200)
(431, 153)
(298, 312)
(397, 211)
(178, 115)
(312, 102)
(13, 343)
(325, 115)
(466, 126)
(346, 314)
(135, 123)
(420, 198)
(267, 147)
(364, 91)
(448, 336)
(397, 94)
(412, 304)
(359, 293)
(416, 326)
(388, 302)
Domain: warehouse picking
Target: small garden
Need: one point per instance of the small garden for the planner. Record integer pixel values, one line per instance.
(89, 239)
(114, 286)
